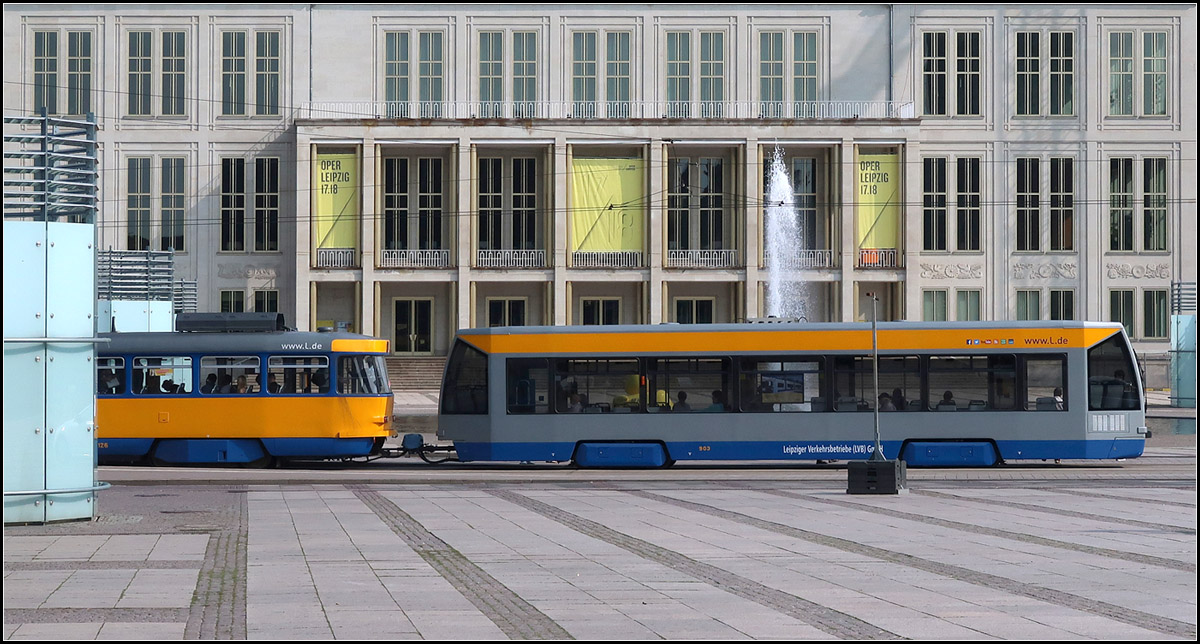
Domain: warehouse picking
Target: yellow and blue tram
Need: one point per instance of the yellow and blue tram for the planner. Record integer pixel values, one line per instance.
(951, 394)
(215, 396)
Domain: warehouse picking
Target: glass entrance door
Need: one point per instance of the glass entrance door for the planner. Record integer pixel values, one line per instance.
(413, 326)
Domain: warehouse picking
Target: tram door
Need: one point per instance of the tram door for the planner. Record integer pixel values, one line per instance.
(413, 322)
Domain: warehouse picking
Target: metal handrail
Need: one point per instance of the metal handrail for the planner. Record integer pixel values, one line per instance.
(100, 485)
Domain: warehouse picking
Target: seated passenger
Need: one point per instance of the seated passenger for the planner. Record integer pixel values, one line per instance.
(272, 386)
(947, 402)
(682, 405)
(210, 384)
(225, 384)
(885, 403)
(718, 401)
(243, 387)
(320, 381)
(574, 403)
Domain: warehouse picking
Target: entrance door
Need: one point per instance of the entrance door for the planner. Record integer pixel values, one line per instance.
(413, 332)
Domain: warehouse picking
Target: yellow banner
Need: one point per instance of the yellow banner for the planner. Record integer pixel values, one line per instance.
(607, 204)
(878, 200)
(336, 217)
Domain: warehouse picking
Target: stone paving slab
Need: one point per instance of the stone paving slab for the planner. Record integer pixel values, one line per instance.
(1037, 556)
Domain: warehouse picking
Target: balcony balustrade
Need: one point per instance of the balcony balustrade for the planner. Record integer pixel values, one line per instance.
(802, 259)
(608, 110)
(510, 259)
(725, 258)
(606, 259)
(878, 258)
(422, 258)
(337, 258)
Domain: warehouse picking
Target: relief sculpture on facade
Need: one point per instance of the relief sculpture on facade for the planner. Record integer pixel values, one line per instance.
(1139, 271)
(1068, 270)
(246, 271)
(951, 271)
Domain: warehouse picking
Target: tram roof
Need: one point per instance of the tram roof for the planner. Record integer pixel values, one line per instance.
(790, 336)
(179, 342)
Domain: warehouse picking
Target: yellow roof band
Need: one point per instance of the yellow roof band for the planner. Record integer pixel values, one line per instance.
(647, 342)
(359, 346)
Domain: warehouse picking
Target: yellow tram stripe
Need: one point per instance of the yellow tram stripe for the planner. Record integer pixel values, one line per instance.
(669, 341)
(359, 346)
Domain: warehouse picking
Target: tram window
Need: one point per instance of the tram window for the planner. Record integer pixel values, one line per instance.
(975, 383)
(110, 376)
(782, 385)
(162, 375)
(1045, 383)
(361, 375)
(464, 390)
(527, 388)
(854, 383)
(221, 374)
(603, 384)
(696, 378)
(299, 374)
(1111, 383)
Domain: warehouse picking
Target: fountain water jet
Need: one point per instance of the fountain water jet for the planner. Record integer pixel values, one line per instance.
(787, 296)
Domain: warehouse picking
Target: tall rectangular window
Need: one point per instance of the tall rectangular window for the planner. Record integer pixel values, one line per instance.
(525, 73)
(491, 73)
(967, 80)
(1062, 73)
(266, 301)
(1120, 204)
(1155, 313)
(266, 73)
(968, 305)
(266, 204)
(1154, 73)
(617, 63)
(141, 69)
(174, 72)
(45, 71)
(1028, 73)
(1154, 203)
(1062, 203)
(430, 73)
(173, 191)
(233, 204)
(583, 74)
(679, 74)
(969, 212)
(429, 203)
(1062, 304)
(79, 72)
(770, 73)
(396, 70)
(934, 309)
(712, 204)
(804, 196)
(678, 197)
(233, 73)
(395, 203)
(137, 199)
(1120, 73)
(712, 73)
(933, 72)
(1120, 308)
(491, 195)
(804, 72)
(524, 203)
(1028, 204)
(1029, 305)
(935, 203)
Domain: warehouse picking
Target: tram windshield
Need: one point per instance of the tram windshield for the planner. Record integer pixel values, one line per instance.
(1111, 377)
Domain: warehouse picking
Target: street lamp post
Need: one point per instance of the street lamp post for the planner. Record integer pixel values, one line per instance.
(877, 454)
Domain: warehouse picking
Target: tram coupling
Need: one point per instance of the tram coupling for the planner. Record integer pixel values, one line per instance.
(414, 445)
